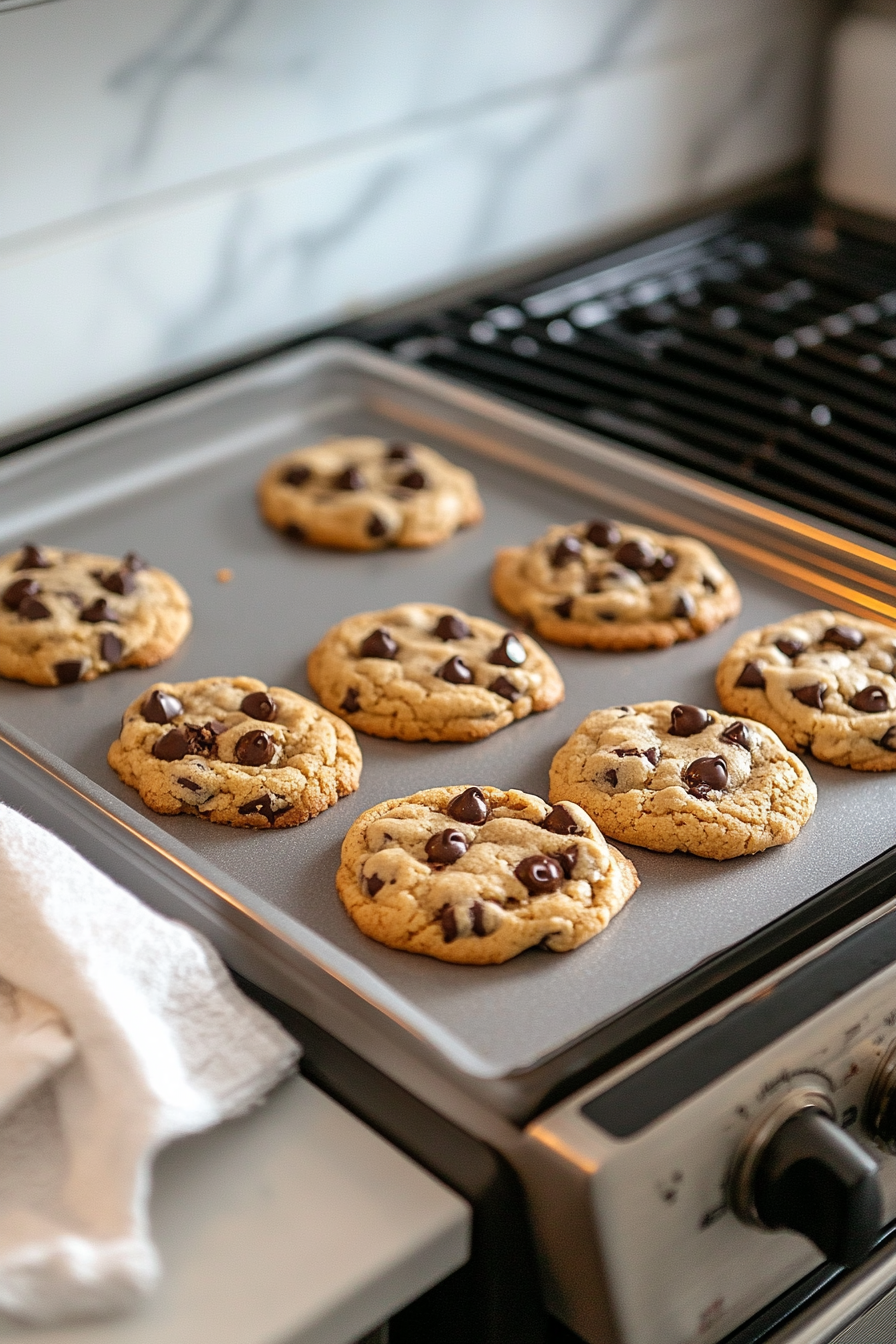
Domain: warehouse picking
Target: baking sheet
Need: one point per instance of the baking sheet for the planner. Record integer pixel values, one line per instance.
(175, 482)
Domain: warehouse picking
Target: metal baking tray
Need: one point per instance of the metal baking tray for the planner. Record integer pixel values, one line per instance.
(175, 480)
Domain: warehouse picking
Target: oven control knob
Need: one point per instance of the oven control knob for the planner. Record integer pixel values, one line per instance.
(798, 1169)
(880, 1109)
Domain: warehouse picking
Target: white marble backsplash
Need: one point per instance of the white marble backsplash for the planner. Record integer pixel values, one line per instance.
(183, 178)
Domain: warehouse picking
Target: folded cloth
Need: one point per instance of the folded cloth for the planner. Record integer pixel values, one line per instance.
(120, 1030)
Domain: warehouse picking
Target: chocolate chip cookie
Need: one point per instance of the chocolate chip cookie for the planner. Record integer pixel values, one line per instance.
(824, 681)
(607, 585)
(478, 875)
(425, 672)
(69, 616)
(668, 776)
(363, 494)
(235, 751)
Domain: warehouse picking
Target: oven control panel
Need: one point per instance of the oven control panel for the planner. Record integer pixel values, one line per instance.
(722, 1166)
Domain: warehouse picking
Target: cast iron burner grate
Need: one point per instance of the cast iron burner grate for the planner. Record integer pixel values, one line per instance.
(756, 347)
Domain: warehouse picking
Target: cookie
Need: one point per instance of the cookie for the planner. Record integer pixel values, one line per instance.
(70, 616)
(606, 585)
(425, 672)
(235, 751)
(667, 776)
(363, 494)
(824, 681)
(478, 875)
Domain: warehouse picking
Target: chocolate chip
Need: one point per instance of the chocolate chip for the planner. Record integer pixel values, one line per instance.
(707, 774)
(375, 884)
(560, 821)
(446, 847)
(451, 627)
(161, 707)
(871, 700)
(601, 532)
(844, 636)
(98, 611)
(509, 653)
(888, 741)
(296, 475)
(635, 555)
(456, 671)
(477, 918)
(812, 695)
(790, 648)
(710, 584)
(174, 746)
(32, 609)
(448, 921)
(119, 581)
(564, 608)
(255, 748)
(612, 777)
(505, 688)
(470, 807)
(567, 548)
(685, 606)
(376, 527)
(190, 784)
(17, 592)
(567, 860)
(214, 726)
(350, 703)
(539, 873)
(413, 480)
(68, 671)
(294, 532)
(379, 644)
(32, 557)
(737, 735)
(662, 567)
(259, 705)
(261, 807)
(133, 561)
(751, 676)
(111, 648)
(652, 754)
(399, 452)
(188, 740)
(350, 479)
(594, 583)
(686, 720)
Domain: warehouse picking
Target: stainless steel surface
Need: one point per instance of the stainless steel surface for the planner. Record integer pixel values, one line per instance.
(741, 1187)
(175, 480)
(860, 1310)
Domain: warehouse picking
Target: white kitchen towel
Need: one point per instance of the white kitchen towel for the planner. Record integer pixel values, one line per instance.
(162, 1044)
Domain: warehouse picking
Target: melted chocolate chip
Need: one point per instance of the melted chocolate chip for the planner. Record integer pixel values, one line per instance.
(888, 741)
(708, 774)
(601, 532)
(161, 707)
(296, 475)
(446, 847)
(451, 627)
(376, 527)
(635, 555)
(448, 921)
(504, 687)
(350, 479)
(17, 592)
(399, 452)
(564, 608)
(686, 720)
(189, 740)
(509, 653)
(560, 821)
(477, 919)
(737, 735)
(612, 777)
(32, 557)
(255, 748)
(567, 860)
(99, 611)
(32, 609)
(685, 605)
(470, 807)
(871, 700)
(662, 567)
(378, 644)
(174, 746)
(375, 884)
(752, 676)
(259, 705)
(119, 581)
(539, 873)
(652, 754)
(260, 807)
(413, 480)
(189, 784)
(294, 532)
(813, 695)
(844, 636)
(710, 584)
(350, 702)
(791, 648)
(111, 648)
(456, 671)
(68, 671)
(567, 548)
(133, 562)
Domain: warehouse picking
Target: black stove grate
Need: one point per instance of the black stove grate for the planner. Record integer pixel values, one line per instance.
(756, 347)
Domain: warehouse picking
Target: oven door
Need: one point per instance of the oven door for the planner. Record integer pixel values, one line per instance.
(859, 1309)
